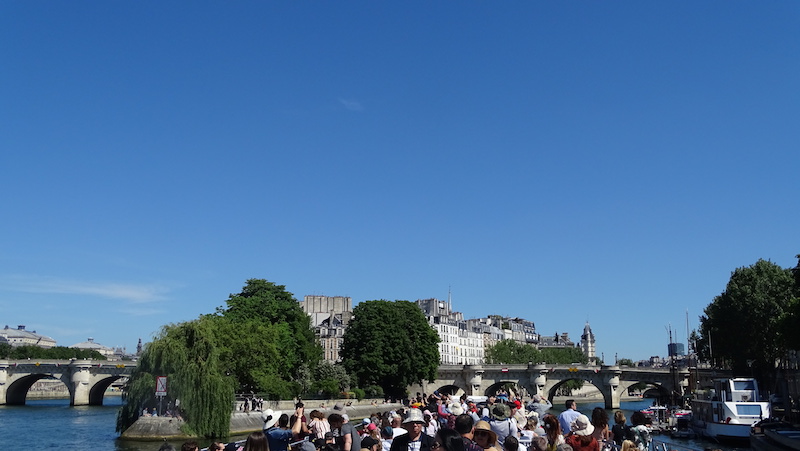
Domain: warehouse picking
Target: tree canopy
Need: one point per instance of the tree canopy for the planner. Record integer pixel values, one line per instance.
(512, 352)
(56, 352)
(262, 343)
(391, 345)
(754, 306)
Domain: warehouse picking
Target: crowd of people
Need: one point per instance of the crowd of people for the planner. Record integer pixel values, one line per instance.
(440, 422)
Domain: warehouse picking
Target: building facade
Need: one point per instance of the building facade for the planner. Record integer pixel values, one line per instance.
(21, 337)
(329, 318)
(459, 343)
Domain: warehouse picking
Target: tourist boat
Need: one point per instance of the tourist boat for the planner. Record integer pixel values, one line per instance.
(774, 435)
(728, 410)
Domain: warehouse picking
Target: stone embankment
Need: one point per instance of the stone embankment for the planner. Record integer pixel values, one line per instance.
(160, 428)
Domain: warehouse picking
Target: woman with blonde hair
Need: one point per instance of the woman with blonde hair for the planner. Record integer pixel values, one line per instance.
(619, 432)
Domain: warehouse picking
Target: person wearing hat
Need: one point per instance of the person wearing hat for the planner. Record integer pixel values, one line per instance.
(581, 438)
(485, 437)
(387, 435)
(501, 422)
(279, 436)
(414, 440)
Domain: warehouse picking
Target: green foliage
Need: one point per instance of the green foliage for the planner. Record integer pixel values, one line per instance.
(328, 388)
(512, 352)
(327, 370)
(359, 393)
(563, 355)
(262, 343)
(567, 387)
(755, 304)
(790, 326)
(265, 303)
(390, 344)
(267, 341)
(374, 391)
(56, 353)
(626, 362)
(188, 355)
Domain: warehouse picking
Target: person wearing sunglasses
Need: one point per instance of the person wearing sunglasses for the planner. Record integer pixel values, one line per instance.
(414, 440)
(485, 437)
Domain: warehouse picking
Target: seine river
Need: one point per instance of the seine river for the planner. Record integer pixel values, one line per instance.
(53, 424)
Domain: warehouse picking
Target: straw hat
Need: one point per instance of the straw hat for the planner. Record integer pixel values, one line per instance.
(484, 426)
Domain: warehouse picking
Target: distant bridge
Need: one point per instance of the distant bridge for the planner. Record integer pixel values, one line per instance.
(545, 379)
(86, 380)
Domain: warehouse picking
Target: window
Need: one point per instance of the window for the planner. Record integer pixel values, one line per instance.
(748, 410)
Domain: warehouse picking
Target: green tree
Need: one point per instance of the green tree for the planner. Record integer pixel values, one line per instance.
(791, 322)
(753, 307)
(264, 302)
(563, 356)
(56, 352)
(511, 352)
(390, 344)
(625, 362)
(188, 355)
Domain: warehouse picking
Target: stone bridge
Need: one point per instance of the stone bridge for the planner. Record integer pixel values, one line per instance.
(86, 380)
(612, 381)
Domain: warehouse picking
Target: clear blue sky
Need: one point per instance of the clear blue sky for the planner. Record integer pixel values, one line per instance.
(559, 161)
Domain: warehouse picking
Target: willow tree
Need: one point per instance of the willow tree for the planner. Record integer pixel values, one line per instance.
(189, 356)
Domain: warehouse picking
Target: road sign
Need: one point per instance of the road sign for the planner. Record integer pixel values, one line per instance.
(161, 386)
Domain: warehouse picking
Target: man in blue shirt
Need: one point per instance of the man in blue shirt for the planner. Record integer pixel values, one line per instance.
(568, 416)
(280, 436)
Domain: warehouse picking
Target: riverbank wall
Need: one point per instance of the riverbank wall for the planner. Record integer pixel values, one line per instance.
(165, 428)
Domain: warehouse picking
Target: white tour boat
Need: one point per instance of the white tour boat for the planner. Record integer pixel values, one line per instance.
(726, 412)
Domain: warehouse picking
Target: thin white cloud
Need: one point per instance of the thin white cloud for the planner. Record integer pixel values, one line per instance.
(352, 105)
(129, 292)
(141, 311)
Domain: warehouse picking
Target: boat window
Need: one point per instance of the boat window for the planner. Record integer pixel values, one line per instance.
(743, 385)
(748, 410)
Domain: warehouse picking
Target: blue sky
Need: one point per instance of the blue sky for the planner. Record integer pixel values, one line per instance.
(559, 161)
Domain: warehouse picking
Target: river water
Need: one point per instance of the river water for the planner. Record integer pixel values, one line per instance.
(53, 424)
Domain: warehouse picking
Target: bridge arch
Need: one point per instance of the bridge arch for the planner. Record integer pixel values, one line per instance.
(515, 385)
(17, 391)
(451, 390)
(98, 390)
